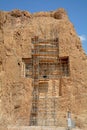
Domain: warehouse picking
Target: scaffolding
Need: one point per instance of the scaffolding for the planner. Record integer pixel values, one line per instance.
(47, 67)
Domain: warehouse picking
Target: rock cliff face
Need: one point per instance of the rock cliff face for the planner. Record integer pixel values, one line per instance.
(16, 31)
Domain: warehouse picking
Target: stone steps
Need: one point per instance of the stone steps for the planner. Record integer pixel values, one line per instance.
(35, 128)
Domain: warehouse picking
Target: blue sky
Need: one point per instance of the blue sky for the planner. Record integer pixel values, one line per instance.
(76, 10)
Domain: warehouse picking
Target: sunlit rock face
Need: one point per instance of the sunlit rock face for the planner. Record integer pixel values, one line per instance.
(17, 28)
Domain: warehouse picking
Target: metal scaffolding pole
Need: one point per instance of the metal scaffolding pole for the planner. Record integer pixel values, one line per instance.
(47, 67)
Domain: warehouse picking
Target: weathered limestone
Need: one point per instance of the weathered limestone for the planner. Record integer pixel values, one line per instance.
(16, 30)
(37, 128)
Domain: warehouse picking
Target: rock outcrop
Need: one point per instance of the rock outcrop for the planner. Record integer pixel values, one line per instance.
(16, 31)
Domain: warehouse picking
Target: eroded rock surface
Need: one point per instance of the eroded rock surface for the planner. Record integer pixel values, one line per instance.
(16, 30)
